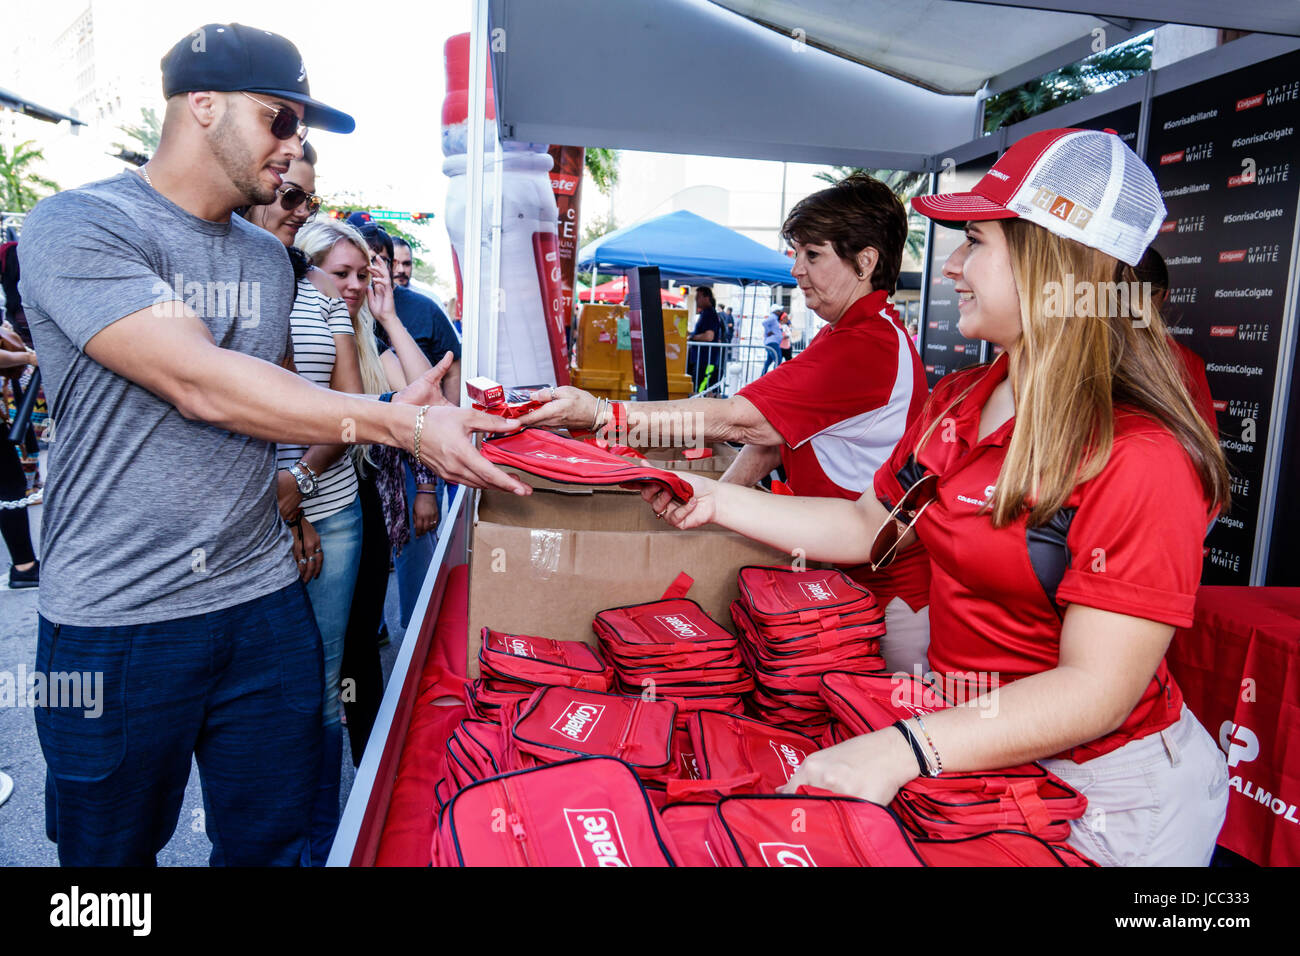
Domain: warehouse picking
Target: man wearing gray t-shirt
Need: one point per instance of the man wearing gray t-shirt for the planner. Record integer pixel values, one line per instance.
(167, 582)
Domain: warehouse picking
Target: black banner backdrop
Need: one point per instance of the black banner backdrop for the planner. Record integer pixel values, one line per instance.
(1224, 154)
(943, 348)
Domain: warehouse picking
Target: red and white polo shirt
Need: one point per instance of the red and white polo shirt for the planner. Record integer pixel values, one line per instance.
(1132, 543)
(841, 406)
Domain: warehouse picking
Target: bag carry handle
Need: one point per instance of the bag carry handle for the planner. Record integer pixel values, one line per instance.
(1024, 794)
(725, 785)
(681, 584)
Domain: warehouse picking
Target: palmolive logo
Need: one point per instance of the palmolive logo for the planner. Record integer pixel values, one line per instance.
(578, 720)
(790, 757)
(596, 837)
(786, 854)
(817, 591)
(679, 625)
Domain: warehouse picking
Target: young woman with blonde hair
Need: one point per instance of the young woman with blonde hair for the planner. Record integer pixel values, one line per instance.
(1063, 493)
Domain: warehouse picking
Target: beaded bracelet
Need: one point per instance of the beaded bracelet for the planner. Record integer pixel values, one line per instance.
(930, 740)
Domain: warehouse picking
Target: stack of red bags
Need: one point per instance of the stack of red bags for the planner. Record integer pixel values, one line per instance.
(512, 666)
(954, 805)
(672, 649)
(795, 626)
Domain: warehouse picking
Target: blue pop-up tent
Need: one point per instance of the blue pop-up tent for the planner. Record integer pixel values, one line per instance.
(690, 249)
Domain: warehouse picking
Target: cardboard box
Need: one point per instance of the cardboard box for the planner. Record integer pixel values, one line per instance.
(546, 564)
(714, 466)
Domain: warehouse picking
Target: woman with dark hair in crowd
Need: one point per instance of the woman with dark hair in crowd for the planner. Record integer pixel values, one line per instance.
(832, 415)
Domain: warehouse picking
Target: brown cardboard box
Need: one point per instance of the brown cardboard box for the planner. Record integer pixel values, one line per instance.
(546, 564)
(712, 467)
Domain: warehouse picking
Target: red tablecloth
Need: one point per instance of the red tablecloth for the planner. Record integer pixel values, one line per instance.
(412, 815)
(1239, 668)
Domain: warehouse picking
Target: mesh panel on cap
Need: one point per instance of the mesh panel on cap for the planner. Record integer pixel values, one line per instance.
(1077, 169)
(1139, 202)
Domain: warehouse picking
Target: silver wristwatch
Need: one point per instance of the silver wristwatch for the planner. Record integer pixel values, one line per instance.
(305, 477)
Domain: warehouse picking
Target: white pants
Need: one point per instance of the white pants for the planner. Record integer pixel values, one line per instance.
(907, 638)
(1158, 801)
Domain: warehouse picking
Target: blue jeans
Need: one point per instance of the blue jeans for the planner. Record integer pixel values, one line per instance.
(773, 356)
(413, 563)
(238, 688)
(331, 601)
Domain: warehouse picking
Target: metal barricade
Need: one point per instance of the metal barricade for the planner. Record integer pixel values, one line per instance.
(721, 369)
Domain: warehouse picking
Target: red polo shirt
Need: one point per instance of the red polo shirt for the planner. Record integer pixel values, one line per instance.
(1134, 547)
(841, 406)
(1198, 386)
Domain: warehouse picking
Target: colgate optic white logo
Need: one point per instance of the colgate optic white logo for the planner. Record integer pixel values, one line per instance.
(596, 837)
(817, 591)
(786, 854)
(578, 720)
(679, 625)
(789, 757)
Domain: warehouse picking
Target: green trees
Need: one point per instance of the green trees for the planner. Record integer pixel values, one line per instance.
(18, 180)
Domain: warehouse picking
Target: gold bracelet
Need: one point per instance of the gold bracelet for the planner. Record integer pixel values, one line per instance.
(419, 429)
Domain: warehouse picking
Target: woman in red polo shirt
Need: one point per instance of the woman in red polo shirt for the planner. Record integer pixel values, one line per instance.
(1072, 484)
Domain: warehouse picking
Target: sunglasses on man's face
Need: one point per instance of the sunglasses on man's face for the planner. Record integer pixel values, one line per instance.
(285, 123)
(291, 197)
(908, 511)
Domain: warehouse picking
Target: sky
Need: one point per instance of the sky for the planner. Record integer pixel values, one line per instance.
(382, 63)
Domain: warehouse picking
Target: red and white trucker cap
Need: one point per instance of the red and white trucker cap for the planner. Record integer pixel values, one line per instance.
(1081, 184)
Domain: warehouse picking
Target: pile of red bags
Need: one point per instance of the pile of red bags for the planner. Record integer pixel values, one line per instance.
(795, 626)
(512, 666)
(672, 649)
(954, 805)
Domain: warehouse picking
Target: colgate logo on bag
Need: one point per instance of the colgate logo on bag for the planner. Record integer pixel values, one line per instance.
(817, 591)
(679, 625)
(578, 720)
(789, 757)
(518, 647)
(786, 854)
(596, 837)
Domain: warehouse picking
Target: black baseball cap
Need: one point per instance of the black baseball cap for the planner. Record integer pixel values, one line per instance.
(230, 56)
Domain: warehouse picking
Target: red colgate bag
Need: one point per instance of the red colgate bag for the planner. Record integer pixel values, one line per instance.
(1024, 797)
(803, 830)
(782, 600)
(736, 755)
(1000, 848)
(689, 825)
(675, 628)
(548, 455)
(588, 812)
(539, 661)
(560, 722)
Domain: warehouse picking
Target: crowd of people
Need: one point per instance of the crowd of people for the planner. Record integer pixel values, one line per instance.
(256, 416)
(229, 484)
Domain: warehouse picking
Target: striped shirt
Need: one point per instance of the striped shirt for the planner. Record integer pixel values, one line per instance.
(315, 320)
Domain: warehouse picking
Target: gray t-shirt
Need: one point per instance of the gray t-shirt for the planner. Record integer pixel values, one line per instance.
(149, 516)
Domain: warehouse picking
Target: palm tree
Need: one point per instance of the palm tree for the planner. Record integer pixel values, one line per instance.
(146, 135)
(603, 166)
(904, 184)
(1091, 75)
(17, 180)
